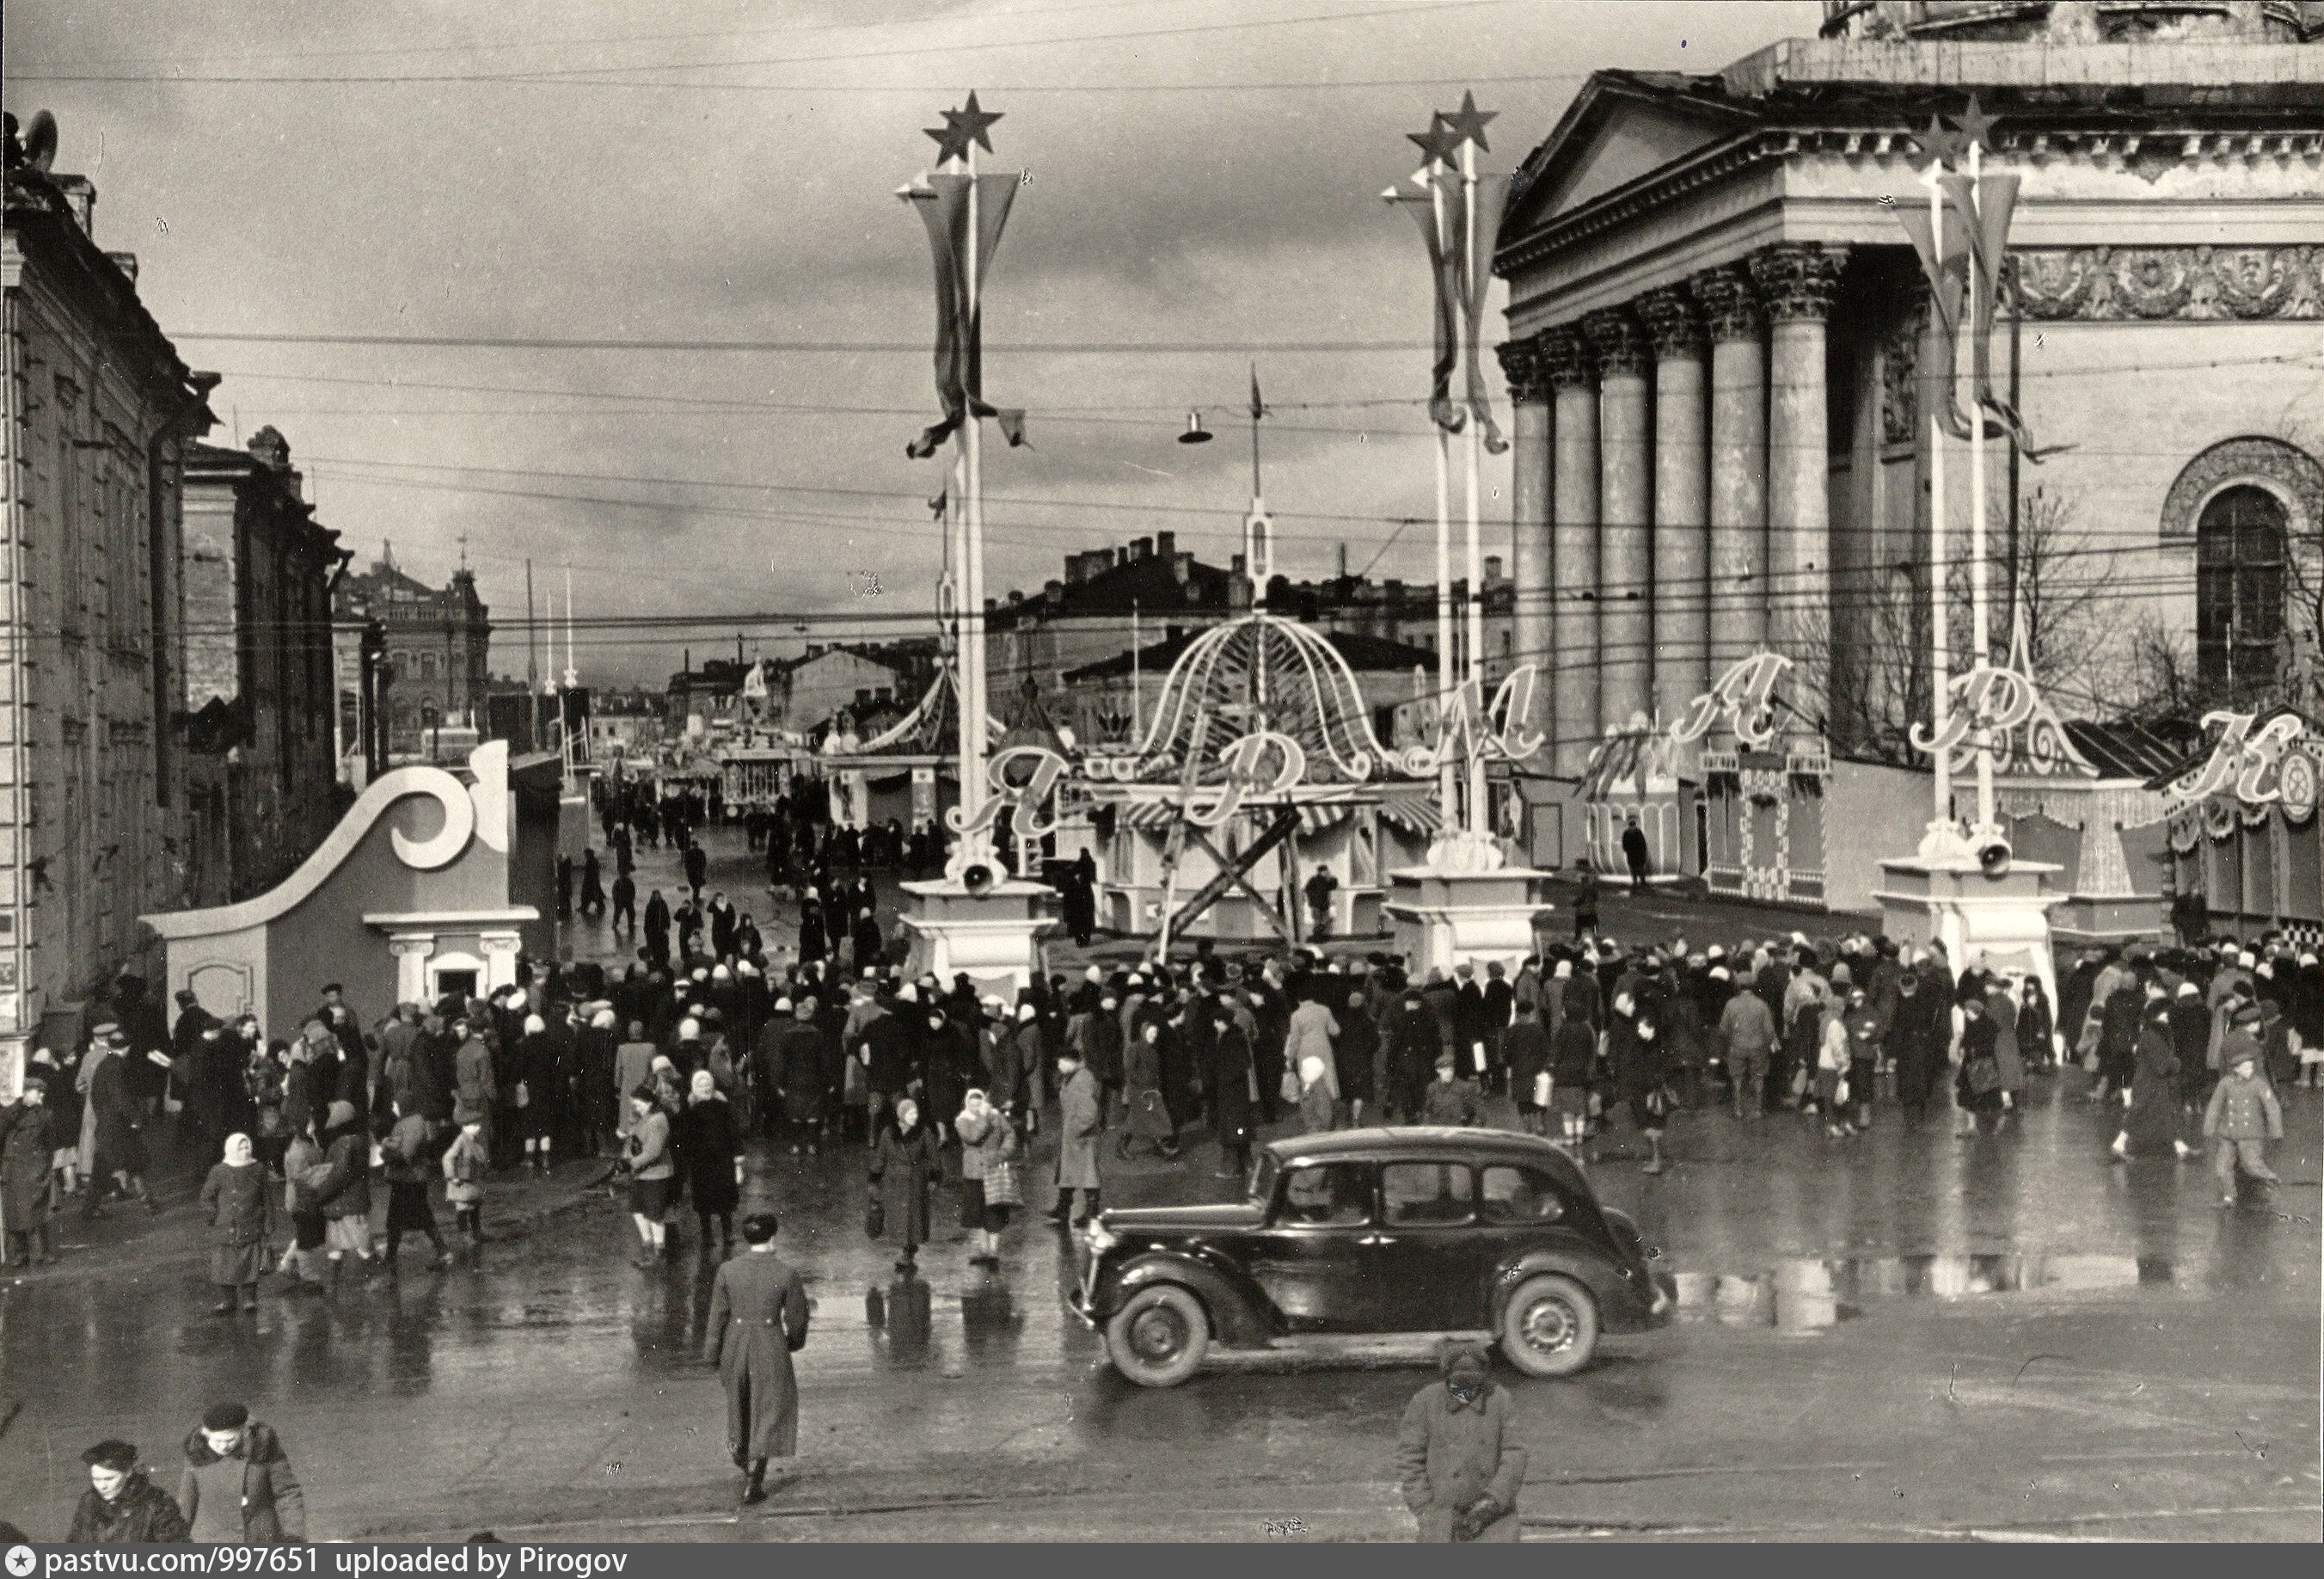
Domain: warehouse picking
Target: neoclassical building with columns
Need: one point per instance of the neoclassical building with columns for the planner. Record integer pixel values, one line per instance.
(1721, 355)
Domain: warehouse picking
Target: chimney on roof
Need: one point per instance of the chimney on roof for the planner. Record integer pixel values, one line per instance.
(1055, 591)
(1141, 548)
(269, 449)
(1182, 565)
(1015, 597)
(1492, 569)
(1344, 561)
(1077, 568)
(80, 195)
(1235, 565)
(1238, 589)
(1166, 543)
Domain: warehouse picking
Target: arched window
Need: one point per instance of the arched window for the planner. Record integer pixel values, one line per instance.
(2240, 592)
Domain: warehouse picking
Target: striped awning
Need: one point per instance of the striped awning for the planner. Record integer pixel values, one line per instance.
(1415, 813)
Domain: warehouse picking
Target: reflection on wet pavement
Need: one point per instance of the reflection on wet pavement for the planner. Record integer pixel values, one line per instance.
(1807, 1296)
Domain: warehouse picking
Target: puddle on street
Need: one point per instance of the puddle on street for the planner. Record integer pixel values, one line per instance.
(1805, 1296)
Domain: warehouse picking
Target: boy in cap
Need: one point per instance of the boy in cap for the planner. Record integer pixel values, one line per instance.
(1457, 1456)
(2242, 1117)
(1450, 1100)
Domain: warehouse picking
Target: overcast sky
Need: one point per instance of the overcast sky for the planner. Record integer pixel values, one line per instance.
(722, 170)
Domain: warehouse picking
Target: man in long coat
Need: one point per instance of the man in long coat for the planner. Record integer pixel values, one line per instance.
(754, 1299)
(1079, 1127)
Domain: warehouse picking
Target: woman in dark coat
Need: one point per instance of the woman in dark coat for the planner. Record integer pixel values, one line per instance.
(1149, 1115)
(810, 935)
(2036, 1027)
(657, 932)
(2151, 1127)
(712, 1151)
(1634, 1045)
(26, 1149)
(1977, 1085)
(1229, 1074)
(903, 1165)
(868, 944)
(802, 1078)
(945, 1072)
(238, 1203)
(1358, 1055)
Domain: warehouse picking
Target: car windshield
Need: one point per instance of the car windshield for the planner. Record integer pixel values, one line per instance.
(1262, 1179)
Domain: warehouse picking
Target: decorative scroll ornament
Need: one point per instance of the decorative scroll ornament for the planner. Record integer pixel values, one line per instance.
(430, 855)
(1744, 697)
(1024, 778)
(1996, 699)
(2250, 761)
(1263, 762)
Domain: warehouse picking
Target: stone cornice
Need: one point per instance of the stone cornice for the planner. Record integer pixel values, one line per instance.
(1730, 302)
(1617, 342)
(1524, 366)
(1673, 323)
(1798, 280)
(2102, 283)
(2107, 147)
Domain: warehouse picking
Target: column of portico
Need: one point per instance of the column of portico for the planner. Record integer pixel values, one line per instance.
(1573, 548)
(1738, 463)
(1626, 514)
(1680, 614)
(1532, 568)
(1797, 282)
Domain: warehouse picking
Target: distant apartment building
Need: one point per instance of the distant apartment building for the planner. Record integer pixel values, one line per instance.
(261, 736)
(438, 642)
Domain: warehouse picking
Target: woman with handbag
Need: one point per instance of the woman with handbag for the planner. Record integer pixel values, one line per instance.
(989, 1188)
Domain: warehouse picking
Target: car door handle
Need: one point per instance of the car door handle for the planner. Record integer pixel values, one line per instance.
(1378, 1238)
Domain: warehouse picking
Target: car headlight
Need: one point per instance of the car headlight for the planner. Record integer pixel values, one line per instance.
(1101, 1238)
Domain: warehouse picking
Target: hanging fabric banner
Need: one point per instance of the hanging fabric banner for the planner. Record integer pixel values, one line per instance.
(944, 208)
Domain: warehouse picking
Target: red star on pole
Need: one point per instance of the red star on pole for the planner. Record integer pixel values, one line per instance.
(1440, 144)
(961, 128)
(1468, 122)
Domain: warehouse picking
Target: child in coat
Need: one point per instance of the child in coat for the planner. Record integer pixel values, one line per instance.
(1450, 1100)
(465, 1162)
(2244, 1116)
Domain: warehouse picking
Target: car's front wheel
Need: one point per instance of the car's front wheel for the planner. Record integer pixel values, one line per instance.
(1159, 1337)
(1550, 1327)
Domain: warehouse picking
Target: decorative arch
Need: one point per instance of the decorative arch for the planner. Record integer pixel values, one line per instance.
(2283, 468)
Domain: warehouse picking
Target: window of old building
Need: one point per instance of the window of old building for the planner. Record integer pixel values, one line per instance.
(2239, 591)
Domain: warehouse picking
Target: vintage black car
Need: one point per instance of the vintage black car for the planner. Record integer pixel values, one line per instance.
(1375, 1230)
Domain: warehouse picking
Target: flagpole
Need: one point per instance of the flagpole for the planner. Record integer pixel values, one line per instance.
(971, 659)
(1979, 633)
(1941, 596)
(1474, 679)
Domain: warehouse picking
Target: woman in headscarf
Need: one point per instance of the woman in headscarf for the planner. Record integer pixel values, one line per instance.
(239, 1208)
(810, 933)
(712, 1153)
(904, 1163)
(989, 1185)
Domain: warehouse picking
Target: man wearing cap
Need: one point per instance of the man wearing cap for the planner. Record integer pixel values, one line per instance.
(1457, 1456)
(117, 1133)
(121, 1506)
(238, 1488)
(758, 1321)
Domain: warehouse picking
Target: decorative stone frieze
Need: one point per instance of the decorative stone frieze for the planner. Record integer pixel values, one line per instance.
(2198, 283)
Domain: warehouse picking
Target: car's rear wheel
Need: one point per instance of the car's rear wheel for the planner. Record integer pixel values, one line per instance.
(1550, 1327)
(1159, 1337)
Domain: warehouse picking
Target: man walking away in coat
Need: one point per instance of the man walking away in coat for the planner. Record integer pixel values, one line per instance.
(1457, 1454)
(2244, 1116)
(238, 1488)
(755, 1300)
(121, 1506)
(1079, 1128)
(1634, 851)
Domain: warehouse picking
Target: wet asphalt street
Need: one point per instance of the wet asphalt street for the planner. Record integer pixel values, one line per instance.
(1900, 1337)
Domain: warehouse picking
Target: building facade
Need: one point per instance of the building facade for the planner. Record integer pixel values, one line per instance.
(438, 642)
(1723, 370)
(100, 412)
(262, 748)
